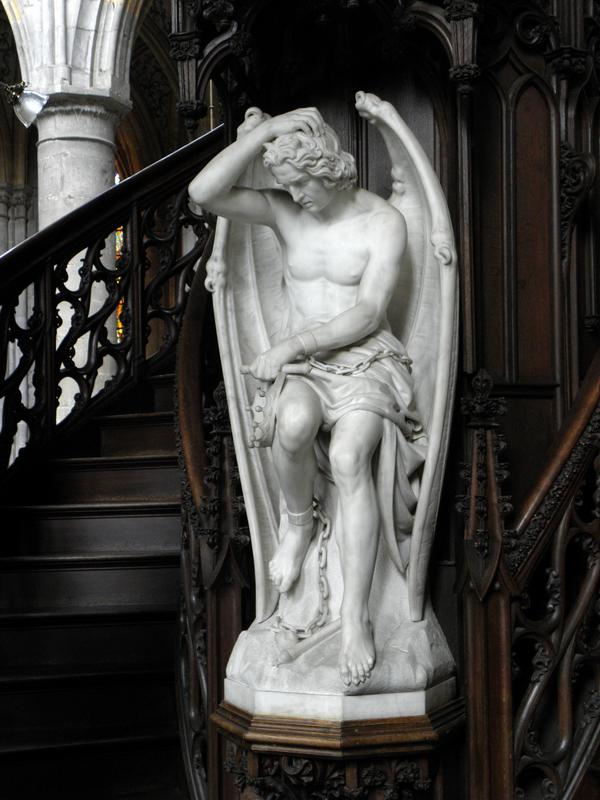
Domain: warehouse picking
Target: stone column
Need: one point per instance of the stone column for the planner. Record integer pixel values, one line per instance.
(76, 155)
(19, 215)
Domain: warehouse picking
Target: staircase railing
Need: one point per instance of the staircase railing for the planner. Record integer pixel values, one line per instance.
(554, 555)
(95, 300)
(532, 608)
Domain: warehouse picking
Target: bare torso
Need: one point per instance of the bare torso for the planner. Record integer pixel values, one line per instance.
(324, 261)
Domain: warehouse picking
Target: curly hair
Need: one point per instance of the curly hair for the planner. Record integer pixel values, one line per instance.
(320, 156)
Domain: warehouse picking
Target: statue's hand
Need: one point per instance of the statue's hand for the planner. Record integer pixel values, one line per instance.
(252, 119)
(269, 364)
(307, 120)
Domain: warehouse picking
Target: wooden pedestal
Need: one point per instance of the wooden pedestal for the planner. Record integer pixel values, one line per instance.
(276, 758)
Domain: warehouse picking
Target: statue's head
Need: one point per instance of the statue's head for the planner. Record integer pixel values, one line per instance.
(319, 156)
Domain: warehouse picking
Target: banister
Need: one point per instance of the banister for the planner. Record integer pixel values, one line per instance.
(71, 232)
(569, 456)
(94, 301)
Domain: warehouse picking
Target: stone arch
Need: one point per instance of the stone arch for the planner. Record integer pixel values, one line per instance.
(76, 47)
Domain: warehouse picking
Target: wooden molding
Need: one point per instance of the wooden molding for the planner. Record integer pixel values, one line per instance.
(341, 739)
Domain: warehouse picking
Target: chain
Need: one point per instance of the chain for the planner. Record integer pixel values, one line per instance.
(322, 613)
(362, 366)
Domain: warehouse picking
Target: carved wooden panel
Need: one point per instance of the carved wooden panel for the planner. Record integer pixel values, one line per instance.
(535, 163)
(505, 99)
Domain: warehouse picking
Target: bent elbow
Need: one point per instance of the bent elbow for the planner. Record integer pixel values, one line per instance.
(371, 318)
(199, 195)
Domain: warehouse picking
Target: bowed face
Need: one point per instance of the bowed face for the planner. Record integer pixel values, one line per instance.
(306, 190)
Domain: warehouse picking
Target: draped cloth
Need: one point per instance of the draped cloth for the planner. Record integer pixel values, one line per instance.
(374, 375)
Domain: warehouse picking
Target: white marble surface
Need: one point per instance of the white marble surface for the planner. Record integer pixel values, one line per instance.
(413, 656)
(339, 707)
(78, 47)
(307, 271)
(76, 156)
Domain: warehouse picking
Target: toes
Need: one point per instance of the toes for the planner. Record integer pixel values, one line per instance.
(345, 673)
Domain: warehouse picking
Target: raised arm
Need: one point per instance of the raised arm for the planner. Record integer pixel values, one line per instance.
(214, 187)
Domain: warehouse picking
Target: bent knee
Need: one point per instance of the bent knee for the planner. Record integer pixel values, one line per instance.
(297, 424)
(348, 462)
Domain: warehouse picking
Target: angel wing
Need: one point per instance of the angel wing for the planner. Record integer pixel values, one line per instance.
(423, 315)
(245, 275)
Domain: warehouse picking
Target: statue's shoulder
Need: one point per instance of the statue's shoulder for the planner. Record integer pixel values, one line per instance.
(380, 213)
(377, 205)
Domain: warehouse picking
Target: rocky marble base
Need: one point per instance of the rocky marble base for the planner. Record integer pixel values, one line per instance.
(410, 656)
(271, 672)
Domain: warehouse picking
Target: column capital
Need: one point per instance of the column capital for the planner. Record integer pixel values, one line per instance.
(5, 192)
(76, 118)
(21, 195)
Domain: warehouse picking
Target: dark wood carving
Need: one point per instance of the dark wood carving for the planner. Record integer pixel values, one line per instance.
(517, 104)
(483, 506)
(556, 652)
(566, 463)
(530, 610)
(487, 589)
(216, 563)
(577, 173)
(295, 759)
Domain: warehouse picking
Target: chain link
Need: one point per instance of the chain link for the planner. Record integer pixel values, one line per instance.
(322, 614)
(361, 366)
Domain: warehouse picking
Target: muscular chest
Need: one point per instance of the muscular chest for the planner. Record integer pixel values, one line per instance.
(339, 254)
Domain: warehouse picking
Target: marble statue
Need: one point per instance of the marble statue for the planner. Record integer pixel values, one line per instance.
(336, 317)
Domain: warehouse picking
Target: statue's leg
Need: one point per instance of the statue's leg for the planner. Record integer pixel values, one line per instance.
(353, 442)
(298, 420)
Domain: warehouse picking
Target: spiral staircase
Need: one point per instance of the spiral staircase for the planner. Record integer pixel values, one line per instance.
(89, 553)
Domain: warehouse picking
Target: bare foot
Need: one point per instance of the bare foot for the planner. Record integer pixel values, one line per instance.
(286, 564)
(357, 654)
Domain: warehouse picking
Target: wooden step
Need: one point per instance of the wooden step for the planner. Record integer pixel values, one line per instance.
(89, 583)
(143, 767)
(162, 391)
(92, 528)
(154, 394)
(88, 580)
(52, 676)
(137, 433)
(65, 638)
(110, 479)
(86, 709)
